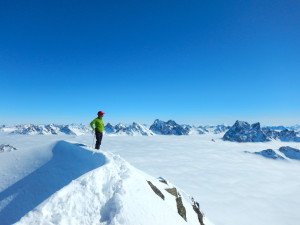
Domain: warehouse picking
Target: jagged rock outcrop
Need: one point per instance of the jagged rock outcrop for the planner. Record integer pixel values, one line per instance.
(156, 190)
(244, 132)
(169, 128)
(181, 203)
(196, 208)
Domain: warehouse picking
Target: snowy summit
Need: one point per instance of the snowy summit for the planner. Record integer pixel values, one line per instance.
(76, 185)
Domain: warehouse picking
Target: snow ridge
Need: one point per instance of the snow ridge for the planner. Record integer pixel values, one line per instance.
(80, 186)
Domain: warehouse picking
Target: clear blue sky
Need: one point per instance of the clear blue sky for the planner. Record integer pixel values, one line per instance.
(196, 61)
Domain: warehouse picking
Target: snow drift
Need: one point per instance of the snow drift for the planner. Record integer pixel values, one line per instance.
(79, 186)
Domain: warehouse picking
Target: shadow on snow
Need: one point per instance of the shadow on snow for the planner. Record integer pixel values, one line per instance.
(69, 161)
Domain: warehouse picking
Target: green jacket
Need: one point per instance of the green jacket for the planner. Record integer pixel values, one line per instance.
(98, 123)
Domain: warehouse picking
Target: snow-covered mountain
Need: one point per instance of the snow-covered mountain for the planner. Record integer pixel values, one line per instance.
(242, 131)
(135, 129)
(72, 184)
(287, 152)
(295, 128)
(50, 129)
(268, 153)
(6, 148)
(215, 129)
(290, 152)
(169, 128)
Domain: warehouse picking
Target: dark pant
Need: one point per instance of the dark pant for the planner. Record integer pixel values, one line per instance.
(98, 139)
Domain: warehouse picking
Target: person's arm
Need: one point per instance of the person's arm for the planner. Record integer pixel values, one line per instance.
(92, 124)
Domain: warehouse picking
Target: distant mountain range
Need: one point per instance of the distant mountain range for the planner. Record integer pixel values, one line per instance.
(241, 131)
(135, 129)
(172, 128)
(31, 129)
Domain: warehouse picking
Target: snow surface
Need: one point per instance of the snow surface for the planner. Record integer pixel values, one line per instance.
(72, 184)
(233, 188)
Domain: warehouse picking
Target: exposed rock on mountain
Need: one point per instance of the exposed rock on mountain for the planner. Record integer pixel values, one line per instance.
(268, 153)
(244, 132)
(290, 152)
(215, 129)
(169, 128)
(135, 129)
(104, 188)
(109, 128)
(283, 135)
(30, 129)
(6, 148)
(182, 204)
(288, 135)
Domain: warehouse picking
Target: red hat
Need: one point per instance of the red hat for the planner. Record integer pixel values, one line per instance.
(100, 113)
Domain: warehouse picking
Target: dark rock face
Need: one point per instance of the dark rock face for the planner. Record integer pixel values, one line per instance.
(169, 128)
(180, 207)
(269, 153)
(178, 199)
(156, 190)
(196, 208)
(290, 152)
(244, 132)
(172, 191)
(163, 180)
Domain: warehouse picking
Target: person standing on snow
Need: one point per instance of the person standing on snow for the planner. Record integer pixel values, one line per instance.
(98, 129)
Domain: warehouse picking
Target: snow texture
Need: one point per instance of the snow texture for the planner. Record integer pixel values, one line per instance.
(233, 188)
(77, 185)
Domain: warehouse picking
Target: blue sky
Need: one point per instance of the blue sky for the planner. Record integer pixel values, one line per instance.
(200, 62)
